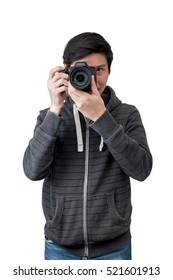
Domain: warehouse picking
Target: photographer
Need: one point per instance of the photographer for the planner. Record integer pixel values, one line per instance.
(86, 146)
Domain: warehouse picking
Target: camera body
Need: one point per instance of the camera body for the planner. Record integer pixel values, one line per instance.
(80, 75)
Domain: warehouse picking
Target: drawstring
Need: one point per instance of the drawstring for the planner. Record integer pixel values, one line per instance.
(101, 144)
(79, 131)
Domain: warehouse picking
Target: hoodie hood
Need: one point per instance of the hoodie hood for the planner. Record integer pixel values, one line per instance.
(110, 99)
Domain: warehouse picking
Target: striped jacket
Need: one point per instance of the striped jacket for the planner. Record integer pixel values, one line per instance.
(86, 167)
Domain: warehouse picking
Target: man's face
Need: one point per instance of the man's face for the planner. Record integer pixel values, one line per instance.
(101, 66)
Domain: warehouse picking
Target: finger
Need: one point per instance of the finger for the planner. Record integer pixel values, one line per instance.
(59, 79)
(55, 70)
(63, 90)
(94, 86)
(59, 82)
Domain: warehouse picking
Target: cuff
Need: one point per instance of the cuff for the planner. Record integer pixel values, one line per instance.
(51, 124)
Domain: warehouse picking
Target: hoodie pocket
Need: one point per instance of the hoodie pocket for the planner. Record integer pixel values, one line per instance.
(117, 218)
(66, 228)
(104, 219)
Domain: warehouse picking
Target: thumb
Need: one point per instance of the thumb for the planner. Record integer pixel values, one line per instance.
(94, 86)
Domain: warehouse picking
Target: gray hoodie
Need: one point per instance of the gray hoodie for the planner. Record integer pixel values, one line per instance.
(86, 167)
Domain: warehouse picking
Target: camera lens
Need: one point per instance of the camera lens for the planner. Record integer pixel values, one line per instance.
(80, 78)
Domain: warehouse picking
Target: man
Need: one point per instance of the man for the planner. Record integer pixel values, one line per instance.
(86, 146)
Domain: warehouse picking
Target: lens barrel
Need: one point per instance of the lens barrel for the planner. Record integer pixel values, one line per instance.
(80, 78)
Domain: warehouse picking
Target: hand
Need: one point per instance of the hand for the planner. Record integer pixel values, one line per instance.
(58, 86)
(90, 105)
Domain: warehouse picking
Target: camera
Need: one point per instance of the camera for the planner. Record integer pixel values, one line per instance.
(80, 76)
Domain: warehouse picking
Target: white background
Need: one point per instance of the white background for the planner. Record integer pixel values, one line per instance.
(33, 36)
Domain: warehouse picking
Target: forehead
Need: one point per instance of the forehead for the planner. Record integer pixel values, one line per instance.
(94, 60)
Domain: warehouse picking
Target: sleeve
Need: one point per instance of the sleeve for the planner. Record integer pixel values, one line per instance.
(128, 144)
(38, 156)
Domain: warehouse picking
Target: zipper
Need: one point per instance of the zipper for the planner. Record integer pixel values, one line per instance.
(85, 191)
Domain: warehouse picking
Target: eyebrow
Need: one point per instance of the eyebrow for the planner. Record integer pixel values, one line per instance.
(102, 65)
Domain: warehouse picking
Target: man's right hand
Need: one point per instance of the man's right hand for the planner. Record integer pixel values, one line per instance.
(58, 88)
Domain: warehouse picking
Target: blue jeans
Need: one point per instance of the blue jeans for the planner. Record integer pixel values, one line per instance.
(55, 252)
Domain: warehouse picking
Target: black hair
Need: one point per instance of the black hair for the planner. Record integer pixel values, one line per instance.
(84, 44)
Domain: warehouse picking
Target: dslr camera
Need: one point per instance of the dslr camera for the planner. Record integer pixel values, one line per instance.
(80, 75)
